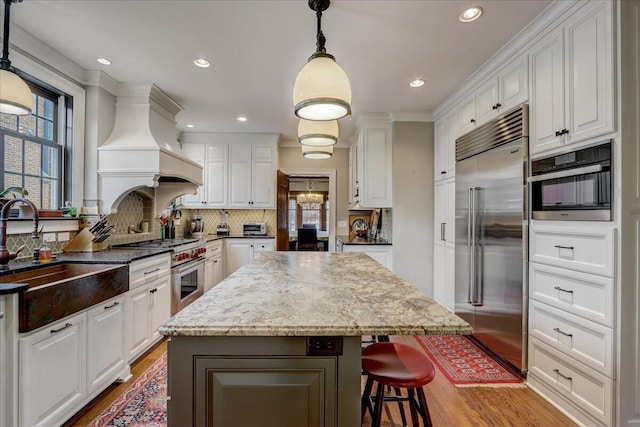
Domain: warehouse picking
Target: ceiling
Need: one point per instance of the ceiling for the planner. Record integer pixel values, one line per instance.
(258, 47)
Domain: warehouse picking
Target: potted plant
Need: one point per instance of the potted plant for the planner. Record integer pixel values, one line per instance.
(23, 210)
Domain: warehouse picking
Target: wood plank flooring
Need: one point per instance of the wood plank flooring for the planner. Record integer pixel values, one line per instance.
(449, 405)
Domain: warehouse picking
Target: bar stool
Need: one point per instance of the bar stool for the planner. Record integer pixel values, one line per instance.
(399, 366)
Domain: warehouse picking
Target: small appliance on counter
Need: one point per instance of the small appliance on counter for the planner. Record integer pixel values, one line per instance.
(222, 229)
(254, 229)
(197, 227)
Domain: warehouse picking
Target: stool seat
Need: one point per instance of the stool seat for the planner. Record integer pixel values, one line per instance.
(397, 365)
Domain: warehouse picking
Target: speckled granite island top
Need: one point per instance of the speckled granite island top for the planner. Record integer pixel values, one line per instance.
(314, 293)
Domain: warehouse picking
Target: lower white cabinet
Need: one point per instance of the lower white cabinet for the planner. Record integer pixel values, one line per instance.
(105, 343)
(52, 372)
(242, 250)
(213, 265)
(381, 253)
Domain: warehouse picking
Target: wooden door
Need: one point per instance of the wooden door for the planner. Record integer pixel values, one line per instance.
(282, 236)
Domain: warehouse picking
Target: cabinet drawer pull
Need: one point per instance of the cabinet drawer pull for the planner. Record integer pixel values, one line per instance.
(152, 271)
(563, 247)
(443, 172)
(154, 290)
(557, 371)
(215, 261)
(563, 333)
(1, 315)
(112, 305)
(68, 325)
(569, 291)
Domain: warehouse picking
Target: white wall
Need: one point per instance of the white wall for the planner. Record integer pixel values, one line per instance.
(413, 188)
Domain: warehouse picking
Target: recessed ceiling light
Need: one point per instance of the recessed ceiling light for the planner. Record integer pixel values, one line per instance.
(190, 126)
(241, 118)
(104, 61)
(417, 83)
(471, 14)
(202, 62)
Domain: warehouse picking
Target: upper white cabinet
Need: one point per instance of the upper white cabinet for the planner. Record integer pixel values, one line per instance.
(252, 176)
(374, 163)
(445, 147)
(572, 80)
(214, 159)
(467, 116)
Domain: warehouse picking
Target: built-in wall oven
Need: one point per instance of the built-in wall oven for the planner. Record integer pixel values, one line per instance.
(574, 185)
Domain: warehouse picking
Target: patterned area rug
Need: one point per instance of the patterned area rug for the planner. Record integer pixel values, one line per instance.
(143, 404)
(465, 364)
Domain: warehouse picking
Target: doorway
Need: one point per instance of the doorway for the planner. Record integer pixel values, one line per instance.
(322, 216)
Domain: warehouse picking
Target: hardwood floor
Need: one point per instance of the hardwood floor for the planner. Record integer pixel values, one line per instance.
(448, 405)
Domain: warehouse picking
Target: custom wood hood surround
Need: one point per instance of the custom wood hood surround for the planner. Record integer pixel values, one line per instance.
(143, 150)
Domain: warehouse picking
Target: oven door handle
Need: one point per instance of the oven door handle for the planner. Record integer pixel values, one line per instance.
(564, 174)
(187, 267)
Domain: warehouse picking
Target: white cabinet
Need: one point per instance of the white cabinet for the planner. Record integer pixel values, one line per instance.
(148, 303)
(467, 117)
(105, 343)
(242, 250)
(214, 161)
(444, 246)
(374, 164)
(52, 372)
(354, 185)
(381, 253)
(213, 265)
(572, 80)
(252, 176)
(445, 147)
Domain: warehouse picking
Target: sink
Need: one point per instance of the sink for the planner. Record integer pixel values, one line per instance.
(61, 289)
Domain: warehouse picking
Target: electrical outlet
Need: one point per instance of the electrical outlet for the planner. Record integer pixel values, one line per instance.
(63, 237)
(49, 237)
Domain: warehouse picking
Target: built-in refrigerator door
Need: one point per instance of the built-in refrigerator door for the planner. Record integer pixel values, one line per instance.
(498, 294)
(465, 182)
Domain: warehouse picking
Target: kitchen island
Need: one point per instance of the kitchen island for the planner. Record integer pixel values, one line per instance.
(278, 343)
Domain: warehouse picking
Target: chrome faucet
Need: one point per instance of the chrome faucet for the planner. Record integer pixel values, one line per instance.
(5, 255)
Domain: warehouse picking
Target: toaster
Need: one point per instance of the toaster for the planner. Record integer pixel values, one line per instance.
(254, 229)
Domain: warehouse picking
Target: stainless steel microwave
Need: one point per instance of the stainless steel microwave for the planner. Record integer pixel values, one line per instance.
(576, 185)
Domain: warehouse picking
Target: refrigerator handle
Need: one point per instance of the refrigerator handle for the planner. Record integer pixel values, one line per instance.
(477, 282)
(443, 232)
(470, 247)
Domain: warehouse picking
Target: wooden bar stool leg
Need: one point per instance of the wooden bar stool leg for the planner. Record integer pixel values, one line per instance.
(413, 405)
(366, 399)
(424, 408)
(401, 406)
(377, 413)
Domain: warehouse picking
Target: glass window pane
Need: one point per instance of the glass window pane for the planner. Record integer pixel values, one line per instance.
(9, 121)
(32, 184)
(12, 180)
(12, 154)
(45, 129)
(50, 163)
(27, 125)
(49, 194)
(32, 158)
(45, 108)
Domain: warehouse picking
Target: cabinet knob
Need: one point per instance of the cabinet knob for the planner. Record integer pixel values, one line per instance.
(473, 120)
(443, 172)
(1, 315)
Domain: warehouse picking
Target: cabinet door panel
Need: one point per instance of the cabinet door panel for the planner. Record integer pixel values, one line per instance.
(486, 100)
(160, 305)
(239, 175)
(514, 85)
(196, 153)
(467, 115)
(52, 372)
(263, 185)
(138, 321)
(239, 253)
(216, 175)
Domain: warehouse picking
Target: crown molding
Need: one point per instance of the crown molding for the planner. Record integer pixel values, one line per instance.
(101, 79)
(229, 138)
(411, 116)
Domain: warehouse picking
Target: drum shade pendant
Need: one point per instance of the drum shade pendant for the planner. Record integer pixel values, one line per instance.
(15, 95)
(317, 152)
(322, 90)
(318, 133)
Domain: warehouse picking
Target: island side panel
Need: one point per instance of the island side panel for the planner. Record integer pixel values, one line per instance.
(254, 371)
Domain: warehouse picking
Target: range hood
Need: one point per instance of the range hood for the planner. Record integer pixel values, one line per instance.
(143, 150)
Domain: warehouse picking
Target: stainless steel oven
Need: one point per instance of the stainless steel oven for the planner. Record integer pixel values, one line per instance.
(187, 284)
(575, 185)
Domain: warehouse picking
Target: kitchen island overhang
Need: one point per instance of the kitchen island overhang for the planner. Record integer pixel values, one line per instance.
(266, 338)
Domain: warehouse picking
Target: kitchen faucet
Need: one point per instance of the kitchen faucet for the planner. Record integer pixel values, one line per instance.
(5, 254)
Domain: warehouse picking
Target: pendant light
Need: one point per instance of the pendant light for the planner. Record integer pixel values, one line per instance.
(15, 95)
(318, 133)
(317, 153)
(322, 90)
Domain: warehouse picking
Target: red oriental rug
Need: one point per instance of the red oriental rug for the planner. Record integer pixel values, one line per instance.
(465, 364)
(143, 404)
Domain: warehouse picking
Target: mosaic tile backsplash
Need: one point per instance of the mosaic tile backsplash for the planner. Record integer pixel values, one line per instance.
(237, 217)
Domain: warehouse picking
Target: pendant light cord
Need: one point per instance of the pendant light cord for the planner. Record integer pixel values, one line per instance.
(320, 38)
(5, 64)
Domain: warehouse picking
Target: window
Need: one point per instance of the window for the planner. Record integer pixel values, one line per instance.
(34, 148)
(299, 215)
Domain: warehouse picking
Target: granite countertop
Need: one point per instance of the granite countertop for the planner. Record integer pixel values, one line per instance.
(211, 237)
(12, 288)
(353, 240)
(314, 293)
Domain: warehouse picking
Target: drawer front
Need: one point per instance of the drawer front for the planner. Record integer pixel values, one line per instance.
(583, 248)
(581, 339)
(586, 388)
(214, 248)
(586, 295)
(263, 245)
(149, 269)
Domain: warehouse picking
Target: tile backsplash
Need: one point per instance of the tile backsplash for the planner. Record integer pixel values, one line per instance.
(236, 218)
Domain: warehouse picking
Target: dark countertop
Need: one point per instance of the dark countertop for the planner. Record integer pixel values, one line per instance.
(12, 288)
(107, 256)
(211, 237)
(352, 240)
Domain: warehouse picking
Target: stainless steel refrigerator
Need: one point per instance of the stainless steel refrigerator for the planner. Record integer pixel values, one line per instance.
(491, 233)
